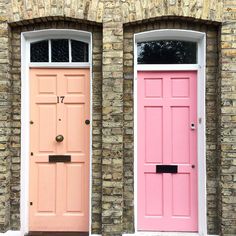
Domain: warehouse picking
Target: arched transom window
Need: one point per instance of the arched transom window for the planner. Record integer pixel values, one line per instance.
(59, 50)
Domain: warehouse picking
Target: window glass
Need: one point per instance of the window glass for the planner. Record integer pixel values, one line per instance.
(79, 51)
(60, 50)
(39, 51)
(167, 52)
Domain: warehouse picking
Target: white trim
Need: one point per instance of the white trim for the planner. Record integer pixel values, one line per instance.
(161, 67)
(174, 34)
(49, 52)
(26, 38)
(60, 65)
(35, 36)
(200, 38)
(11, 233)
(165, 234)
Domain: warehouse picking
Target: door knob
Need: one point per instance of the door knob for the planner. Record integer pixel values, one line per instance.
(59, 138)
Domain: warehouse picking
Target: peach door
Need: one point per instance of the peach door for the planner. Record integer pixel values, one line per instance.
(59, 185)
(167, 151)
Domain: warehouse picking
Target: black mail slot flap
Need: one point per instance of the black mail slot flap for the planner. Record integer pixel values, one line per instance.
(59, 158)
(166, 169)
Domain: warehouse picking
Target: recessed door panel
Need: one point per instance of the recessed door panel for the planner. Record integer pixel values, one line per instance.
(75, 188)
(181, 194)
(167, 151)
(47, 127)
(75, 128)
(153, 134)
(180, 127)
(59, 185)
(46, 178)
(153, 195)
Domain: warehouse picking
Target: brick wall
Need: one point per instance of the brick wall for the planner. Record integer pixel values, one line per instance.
(5, 119)
(112, 116)
(228, 120)
(112, 191)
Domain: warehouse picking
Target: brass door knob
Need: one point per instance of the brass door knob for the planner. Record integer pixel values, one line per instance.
(59, 138)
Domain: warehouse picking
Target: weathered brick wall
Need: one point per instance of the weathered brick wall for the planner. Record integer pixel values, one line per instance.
(132, 10)
(96, 123)
(112, 116)
(91, 10)
(211, 119)
(137, 10)
(112, 192)
(5, 119)
(228, 120)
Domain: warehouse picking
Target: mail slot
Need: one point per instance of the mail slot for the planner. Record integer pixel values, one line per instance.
(166, 169)
(59, 158)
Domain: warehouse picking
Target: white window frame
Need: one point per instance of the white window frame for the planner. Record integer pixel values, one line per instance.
(200, 39)
(60, 64)
(26, 39)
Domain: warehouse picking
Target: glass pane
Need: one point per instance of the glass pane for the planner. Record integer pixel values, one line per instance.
(60, 50)
(39, 51)
(167, 52)
(79, 51)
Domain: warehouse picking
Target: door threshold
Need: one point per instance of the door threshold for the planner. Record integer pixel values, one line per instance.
(163, 234)
(40, 233)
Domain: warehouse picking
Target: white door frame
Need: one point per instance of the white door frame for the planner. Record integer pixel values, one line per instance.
(184, 35)
(26, 39)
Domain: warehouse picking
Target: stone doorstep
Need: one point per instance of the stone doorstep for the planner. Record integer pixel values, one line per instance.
(58, 234)
(165, 234)
(18, 233)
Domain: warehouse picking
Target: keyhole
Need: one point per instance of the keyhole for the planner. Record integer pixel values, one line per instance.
(192, 126)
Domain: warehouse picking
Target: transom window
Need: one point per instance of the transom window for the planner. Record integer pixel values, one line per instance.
(59, 50)
(167, 52)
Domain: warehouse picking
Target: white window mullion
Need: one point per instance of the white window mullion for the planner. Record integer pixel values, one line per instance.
(70, 51)
(50, 51)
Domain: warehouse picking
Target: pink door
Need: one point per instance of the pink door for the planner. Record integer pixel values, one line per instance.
(167, 151)
(59, 150)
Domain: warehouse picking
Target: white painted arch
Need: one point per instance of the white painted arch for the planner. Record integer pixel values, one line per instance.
(200, 39)
(26, 39)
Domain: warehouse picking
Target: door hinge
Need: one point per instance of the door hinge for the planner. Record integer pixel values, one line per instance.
(200, 120)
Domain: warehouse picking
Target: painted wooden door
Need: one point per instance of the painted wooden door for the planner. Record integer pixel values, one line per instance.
(167, 135)
(59, 191)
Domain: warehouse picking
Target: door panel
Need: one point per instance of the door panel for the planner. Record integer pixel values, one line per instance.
(59, 192)
(75, 120)
(154, 196)
(167, 106)
(47, 127)
(153, 134)
(46, 176)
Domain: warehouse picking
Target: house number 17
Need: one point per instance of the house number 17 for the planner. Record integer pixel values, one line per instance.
(60, 99)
